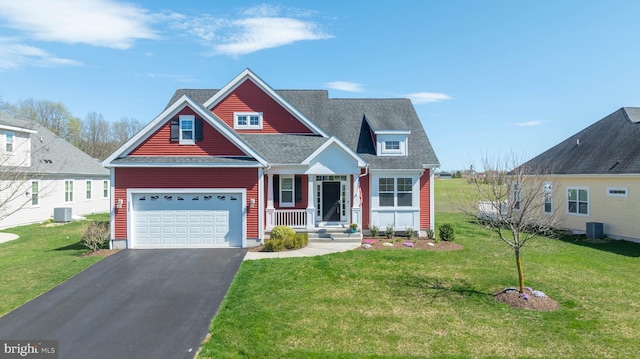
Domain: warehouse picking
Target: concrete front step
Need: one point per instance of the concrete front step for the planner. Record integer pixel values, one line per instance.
(335, 237)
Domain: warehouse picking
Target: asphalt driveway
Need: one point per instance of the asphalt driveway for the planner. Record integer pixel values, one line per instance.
(133, 304)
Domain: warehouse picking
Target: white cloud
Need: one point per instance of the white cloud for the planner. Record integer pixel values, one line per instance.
(103, 23)
(427, 97)
(253, 29)
(345, 86)
(529, 123)
(14, 55)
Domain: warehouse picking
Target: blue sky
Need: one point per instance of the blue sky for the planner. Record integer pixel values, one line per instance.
(485, 76)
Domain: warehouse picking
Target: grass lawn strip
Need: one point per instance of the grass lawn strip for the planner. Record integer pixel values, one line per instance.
(407, 304)
(43, 257)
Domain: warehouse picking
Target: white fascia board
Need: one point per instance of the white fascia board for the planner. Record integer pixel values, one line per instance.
(332, 140)
(392, 132)
(426, 165)
(171, 111)
(247, 74)
(398, 171)
(17, 129)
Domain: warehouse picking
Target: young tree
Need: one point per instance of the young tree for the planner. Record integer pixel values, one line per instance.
(515, 202)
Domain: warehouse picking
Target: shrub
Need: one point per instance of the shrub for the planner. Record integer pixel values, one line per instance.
(374, 230)
(95, 235)
(279, 232)
(410, 232)
(295, 241)
(389, 232)
(446, 232)
(431, 234)
(273, 245)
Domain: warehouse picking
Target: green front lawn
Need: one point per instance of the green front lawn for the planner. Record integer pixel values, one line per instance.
(40, 259)
(410, 304)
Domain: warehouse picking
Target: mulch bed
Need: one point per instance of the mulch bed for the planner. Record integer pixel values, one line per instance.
(415, 243)
(516, 300)
(100, 253)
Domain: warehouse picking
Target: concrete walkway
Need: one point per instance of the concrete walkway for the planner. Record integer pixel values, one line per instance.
(312, 249)
(6, 237)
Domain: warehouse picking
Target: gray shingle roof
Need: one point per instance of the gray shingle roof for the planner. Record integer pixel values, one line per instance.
(345, 119)
(609, 146)
(284, 149)
(50, 154)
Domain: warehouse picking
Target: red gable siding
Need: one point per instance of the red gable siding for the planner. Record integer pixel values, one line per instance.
(184, 178)
(250, 98)
(213, 143)
(425, 200)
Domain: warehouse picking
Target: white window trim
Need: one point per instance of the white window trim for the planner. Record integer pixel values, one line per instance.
(192, 119)
(7, 135)
(293, 191)
(37, 194)
(547, 190)
(105, 191)
(578, 208)
(516, 196)
(386, 150)
(65, 191)
(625, 189)
(88, 183)
(248, 126)
(396, 191)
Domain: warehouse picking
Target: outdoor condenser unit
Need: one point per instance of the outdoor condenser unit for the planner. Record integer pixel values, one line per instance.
(62, 214)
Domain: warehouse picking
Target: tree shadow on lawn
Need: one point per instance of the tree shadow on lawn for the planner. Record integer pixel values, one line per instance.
(623, 248)
(72, 247)
(435, 288)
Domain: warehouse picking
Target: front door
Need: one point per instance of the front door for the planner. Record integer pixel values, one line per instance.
(331, 201)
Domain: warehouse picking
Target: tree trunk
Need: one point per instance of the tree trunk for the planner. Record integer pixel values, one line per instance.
(520, 272)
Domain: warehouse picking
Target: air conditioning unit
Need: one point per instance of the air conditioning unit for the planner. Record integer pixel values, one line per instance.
(595, 230)
(62, 214)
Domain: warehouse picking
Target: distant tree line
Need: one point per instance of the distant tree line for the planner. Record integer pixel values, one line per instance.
(94, 135)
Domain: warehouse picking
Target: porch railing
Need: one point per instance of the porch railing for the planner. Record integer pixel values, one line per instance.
(294, 218)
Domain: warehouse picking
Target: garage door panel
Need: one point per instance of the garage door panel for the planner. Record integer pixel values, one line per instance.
(187, 220)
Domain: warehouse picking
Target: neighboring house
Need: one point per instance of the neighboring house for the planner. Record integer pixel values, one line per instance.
(41, 171)
(596, 175)
(222, 167)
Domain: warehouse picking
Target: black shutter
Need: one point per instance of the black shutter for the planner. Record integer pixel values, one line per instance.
(175, 130)
(298, 189)
(198, 129)
(276, 188)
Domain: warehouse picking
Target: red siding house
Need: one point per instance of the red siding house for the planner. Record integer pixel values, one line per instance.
(221, 168)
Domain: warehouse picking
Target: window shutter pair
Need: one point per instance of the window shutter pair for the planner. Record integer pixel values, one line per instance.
(175, 129)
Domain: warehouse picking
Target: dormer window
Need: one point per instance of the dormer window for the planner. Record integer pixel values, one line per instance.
(392, 146)
(392, 143)
(247, 120)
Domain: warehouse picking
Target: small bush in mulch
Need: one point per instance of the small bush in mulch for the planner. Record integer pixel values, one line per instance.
(530, 299)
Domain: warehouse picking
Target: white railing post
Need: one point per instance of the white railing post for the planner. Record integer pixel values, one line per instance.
(311, 210)
(270, 211)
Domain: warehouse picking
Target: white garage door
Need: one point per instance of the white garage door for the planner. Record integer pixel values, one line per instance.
(181, 220)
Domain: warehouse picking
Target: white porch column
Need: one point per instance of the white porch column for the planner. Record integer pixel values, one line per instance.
(311, 210)
(271, 212)
(356, 210)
